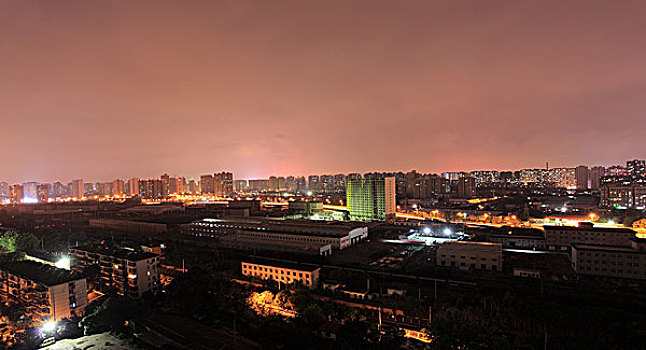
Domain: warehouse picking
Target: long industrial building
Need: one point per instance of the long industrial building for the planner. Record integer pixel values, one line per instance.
(562, 237)
(611, 261)
(282, 272)
(313, 236)
(47, 293)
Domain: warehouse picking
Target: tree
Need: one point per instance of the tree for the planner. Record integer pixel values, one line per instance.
(313, 316)
(109, 315)
(13, 241)
(26, 241)
(8, 241)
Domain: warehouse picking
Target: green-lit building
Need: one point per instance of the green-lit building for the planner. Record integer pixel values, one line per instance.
(371, 199)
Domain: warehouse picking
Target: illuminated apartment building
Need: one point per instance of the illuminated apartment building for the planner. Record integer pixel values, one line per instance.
(132, 273)
(46, 292)
(623, 196)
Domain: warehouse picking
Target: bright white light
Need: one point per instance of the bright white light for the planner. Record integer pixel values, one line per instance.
(48, 326)
(611, 222)
(563, 210)
(427, 230)
(414, 206)
(63, 263)
(309, 193)
(447, 231)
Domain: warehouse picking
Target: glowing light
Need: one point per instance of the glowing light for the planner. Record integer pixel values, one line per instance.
(447, 231)
(267, 304)
(48, 327)
(63, 263)
(427, 230)
(417, 335)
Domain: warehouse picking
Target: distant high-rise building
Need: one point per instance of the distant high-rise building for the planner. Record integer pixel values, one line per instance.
(176, 185)
(16, 194)
(191, 186)
(582, 175)
(290, 184)
(371, 199)
(222, 183)
(273, 183)
(300, 184)
(118, 187)
(152, 189)
(30, 190)
(89, 189)
(77, 189)
(240, 185)
(466, 187)
(4, 190)
(259, 185)
(206, 184)
(596, 173)
(454, 175)
(313, 183)
(60, 190)
(42, 193)
(165, 184)
(133, 187)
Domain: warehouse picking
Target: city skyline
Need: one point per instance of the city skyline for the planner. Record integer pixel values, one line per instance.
(197, 177)
(91, 89)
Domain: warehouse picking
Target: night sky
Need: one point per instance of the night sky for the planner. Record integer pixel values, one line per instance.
(107, 89)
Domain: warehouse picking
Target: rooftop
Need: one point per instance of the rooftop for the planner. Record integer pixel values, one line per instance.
(279, 264)
(606, 248)
(40, 273)
(595, 228)
(42, 255)
(473, 245)
(121, 253)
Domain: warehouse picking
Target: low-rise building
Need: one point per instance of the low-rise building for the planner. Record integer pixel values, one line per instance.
(470, 255)
(130, 272)
(562, 237)
(47, 293)
(282, 272)
(611, 261)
